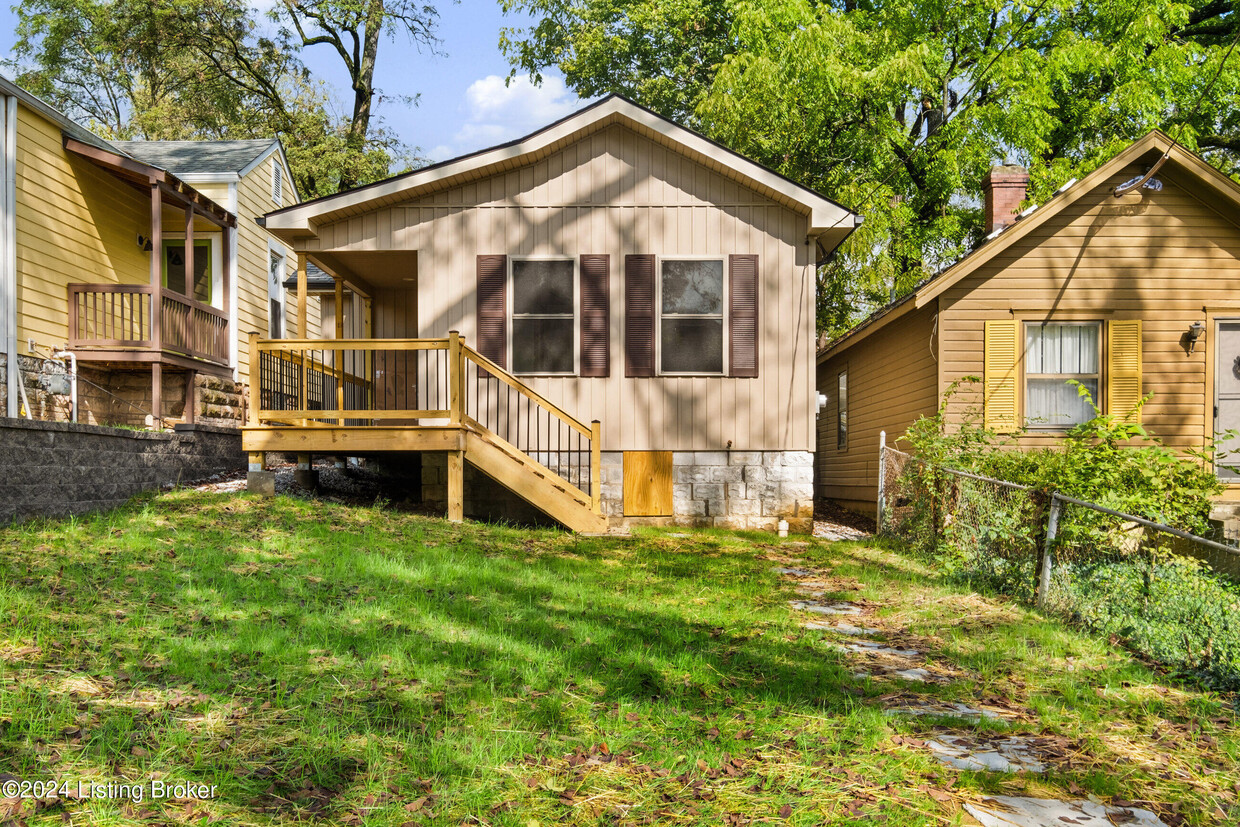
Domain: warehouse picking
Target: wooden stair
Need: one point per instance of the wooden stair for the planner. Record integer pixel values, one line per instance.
(531, 481)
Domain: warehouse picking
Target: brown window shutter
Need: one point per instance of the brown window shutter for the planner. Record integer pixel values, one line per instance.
(493, 308)
(639, 315)
(595, 313)
(743, 316)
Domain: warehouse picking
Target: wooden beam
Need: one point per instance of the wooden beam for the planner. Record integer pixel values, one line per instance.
(229, 234)
(454, 376)
(191, 398)
(351, 442)
(596, 467)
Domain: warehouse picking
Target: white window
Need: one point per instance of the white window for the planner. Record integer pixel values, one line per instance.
(1056, 354)
(277, 182)
(691, 319)
(275, 295)
(543, 310)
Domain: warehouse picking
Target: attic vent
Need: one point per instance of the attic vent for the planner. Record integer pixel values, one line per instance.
(277, 182)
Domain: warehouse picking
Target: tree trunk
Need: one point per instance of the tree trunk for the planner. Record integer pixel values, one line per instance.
(364, 87)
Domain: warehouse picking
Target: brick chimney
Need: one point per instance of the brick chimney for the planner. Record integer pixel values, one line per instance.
(1004, 188)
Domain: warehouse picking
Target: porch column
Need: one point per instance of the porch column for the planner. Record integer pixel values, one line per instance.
(189, 252)
(226, 299)
(157, 304)
(301, 296)
(191, 397)
(339, 354)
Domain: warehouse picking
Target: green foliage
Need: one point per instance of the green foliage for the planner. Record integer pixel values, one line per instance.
(1108, 573)
(1110, 460)
(897, 108)
(1173, 609)
(206, 69)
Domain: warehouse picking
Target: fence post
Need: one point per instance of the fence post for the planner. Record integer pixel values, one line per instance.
(1052, 528)
(256, 379)
(882, 478)
(454, 377)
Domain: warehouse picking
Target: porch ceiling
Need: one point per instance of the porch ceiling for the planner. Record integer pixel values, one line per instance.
(384, 269)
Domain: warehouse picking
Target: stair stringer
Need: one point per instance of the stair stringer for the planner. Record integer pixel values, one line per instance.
(531, 481)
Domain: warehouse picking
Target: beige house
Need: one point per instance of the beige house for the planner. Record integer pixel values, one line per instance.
(1127, 281)
(611, 318)
(141, 259)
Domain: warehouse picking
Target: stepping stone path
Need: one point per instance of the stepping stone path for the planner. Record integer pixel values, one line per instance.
(842, 608)
(1008, 811)
(977, 752)
(1003, 753)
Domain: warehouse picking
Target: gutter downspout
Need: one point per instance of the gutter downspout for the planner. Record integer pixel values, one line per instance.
(8, 256)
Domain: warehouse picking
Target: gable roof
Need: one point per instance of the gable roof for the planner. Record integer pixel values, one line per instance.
(1029, 221)
(826, 217)
(181, 157)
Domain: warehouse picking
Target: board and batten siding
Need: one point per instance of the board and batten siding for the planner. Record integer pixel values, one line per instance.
(1167, 258)
(892, 380)
(615, 192)
(75, 223)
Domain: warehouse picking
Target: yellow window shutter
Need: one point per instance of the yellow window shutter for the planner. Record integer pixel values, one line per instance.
(1123, 367)
(999, 378)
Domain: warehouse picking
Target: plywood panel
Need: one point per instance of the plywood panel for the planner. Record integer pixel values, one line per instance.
(648, 483)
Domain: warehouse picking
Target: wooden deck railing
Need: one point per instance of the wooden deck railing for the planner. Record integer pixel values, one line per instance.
(373, 383)
(119, 317)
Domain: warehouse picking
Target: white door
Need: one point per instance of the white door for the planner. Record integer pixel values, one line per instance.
(1227, 398)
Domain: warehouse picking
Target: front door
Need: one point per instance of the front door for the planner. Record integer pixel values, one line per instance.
(1227, 399)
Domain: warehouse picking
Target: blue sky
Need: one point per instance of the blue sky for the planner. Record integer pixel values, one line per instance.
(465, 104)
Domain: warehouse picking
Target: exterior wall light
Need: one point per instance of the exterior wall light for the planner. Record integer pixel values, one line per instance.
(1195, 331)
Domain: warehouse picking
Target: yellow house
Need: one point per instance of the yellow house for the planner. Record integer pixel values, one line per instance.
(140, 264)
(1126, 281)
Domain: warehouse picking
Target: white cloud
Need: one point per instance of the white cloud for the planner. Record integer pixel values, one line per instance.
(496, 111)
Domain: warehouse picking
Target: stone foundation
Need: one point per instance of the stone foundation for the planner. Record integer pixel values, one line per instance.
(726, 489)
(122, 397)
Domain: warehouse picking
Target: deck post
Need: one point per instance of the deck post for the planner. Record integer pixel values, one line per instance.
(226, 302)
(256, 378)
(456, 486)
(191, 397)
(596, 467)
(157, 302)
(302, 287)
(259, 479)
(454, 381)
(305, 476)
(338, 356)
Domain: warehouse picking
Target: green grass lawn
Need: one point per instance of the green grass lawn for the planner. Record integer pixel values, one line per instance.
(341, 665)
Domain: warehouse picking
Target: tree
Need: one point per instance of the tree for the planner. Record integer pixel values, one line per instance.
(195, 69)
(354, 29)
(897, 108)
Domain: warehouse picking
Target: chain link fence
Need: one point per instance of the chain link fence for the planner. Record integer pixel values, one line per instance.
(1168, 594)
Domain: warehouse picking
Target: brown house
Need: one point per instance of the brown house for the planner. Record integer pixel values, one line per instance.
(1127, 281)
(611, 319)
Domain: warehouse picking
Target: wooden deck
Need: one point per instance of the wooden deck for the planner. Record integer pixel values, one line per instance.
(358, 397)
(119, 323)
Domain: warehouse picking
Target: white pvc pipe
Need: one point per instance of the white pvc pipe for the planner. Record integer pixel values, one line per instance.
(73, 382)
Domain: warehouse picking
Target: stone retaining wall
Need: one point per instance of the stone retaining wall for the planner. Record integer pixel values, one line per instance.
(59, 468)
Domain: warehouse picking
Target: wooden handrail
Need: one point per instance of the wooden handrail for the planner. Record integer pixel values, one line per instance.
(273, 345)
(179, 298)
(522, 388)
